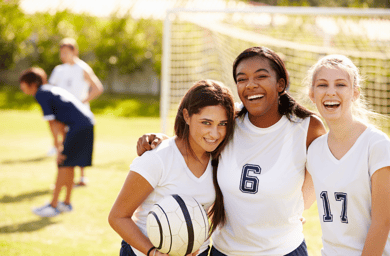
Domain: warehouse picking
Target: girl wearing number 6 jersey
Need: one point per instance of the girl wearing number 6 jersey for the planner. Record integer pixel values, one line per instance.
(350, 165)
(261, 172)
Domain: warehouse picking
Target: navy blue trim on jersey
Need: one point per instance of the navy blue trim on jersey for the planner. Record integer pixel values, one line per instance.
(190, 227)
(65, 107)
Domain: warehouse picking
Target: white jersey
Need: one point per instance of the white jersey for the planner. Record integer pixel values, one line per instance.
(167, 172)
(343, 190)
(261, 173)
(71, 78)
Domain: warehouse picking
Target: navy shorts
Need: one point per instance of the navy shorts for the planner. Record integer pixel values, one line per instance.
(78, 146)
(126, 250)
(300, 251)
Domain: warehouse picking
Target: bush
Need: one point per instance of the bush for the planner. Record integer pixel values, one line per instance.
(126, 105)
(12, 32)
(107, 104)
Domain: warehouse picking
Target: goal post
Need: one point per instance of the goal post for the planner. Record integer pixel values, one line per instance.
(202, 44)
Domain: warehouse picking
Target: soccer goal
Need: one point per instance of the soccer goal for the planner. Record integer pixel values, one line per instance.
(202, 44)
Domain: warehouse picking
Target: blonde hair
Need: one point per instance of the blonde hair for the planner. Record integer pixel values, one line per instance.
(360, 108)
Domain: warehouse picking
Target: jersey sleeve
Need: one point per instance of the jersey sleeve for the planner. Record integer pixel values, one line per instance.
(379, 155)
(44, 101)
(149, 166)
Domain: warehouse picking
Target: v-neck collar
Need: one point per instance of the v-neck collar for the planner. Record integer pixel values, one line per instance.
(187, 170)
(349, 152)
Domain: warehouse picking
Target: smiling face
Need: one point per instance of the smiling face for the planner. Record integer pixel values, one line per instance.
(258, 89)
(333, 94)
(207, 128)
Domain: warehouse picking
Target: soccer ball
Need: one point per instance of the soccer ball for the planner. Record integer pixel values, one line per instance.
(177, 225)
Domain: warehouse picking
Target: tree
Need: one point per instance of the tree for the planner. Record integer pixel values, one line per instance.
(12, 32)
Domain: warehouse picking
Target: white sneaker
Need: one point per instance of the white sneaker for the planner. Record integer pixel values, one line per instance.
(83, 182)
(46, 211)
(62, 207)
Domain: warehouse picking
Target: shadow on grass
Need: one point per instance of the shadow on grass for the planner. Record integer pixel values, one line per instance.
(116, 165)
(24, 196)
(28, 226)
(31, 160)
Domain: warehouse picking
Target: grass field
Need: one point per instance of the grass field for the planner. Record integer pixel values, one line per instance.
(26, 175)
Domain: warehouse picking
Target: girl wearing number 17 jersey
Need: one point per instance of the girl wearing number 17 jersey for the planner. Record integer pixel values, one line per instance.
(350, 165)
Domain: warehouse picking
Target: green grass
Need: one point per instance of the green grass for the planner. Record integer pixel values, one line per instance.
(26, 175)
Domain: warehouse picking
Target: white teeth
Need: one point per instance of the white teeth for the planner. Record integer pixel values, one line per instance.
(210, 141)
(255, 97)
(331, 103)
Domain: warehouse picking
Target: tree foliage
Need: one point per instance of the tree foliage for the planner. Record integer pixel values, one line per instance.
(12, 32)
(127, 44)
(119, 43)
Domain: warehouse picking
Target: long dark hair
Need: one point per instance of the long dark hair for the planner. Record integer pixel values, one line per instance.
(287, 104)
(202, 94)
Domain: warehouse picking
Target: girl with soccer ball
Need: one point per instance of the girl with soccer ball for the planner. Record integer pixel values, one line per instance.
(179, 165)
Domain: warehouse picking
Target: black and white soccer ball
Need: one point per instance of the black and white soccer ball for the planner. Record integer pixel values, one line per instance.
(177, 225)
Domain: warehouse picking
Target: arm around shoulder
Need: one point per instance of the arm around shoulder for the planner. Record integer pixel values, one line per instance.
(149, 141)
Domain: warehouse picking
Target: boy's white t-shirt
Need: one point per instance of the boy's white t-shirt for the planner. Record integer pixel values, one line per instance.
(166, 171)
(71, 78)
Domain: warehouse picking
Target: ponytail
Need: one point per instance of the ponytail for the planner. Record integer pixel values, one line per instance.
(289, 107)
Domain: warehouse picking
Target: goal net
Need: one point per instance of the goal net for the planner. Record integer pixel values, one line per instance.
(202, 44)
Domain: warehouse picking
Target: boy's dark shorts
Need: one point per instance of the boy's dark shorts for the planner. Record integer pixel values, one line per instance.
(78, 146)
